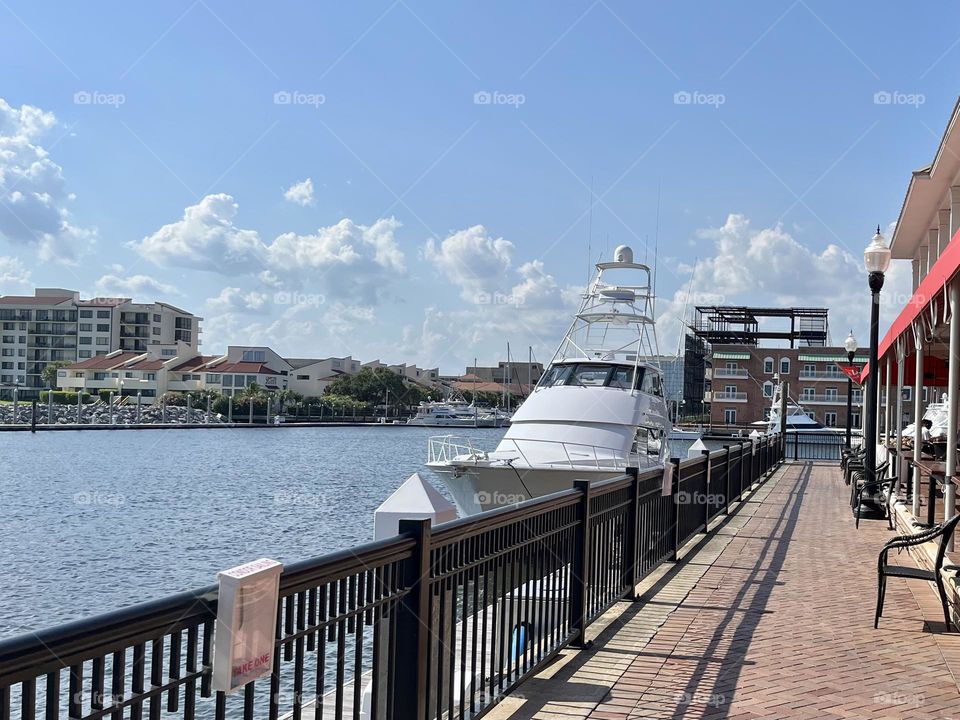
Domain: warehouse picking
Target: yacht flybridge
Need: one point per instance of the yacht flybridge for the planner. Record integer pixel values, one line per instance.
(598, 408)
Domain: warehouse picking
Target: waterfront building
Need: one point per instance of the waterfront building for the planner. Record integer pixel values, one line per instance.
(54, 324)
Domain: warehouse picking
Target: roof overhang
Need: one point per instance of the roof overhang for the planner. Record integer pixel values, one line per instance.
(927, 193)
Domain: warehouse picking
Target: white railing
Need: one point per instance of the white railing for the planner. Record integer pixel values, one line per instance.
(822, 375)
(720, 395)
(813, 398)
(445, 449)
(730, 373)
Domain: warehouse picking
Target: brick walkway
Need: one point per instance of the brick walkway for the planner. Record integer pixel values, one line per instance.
(770, 617)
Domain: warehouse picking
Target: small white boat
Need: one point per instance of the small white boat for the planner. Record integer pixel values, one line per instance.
(798, 419)
(456, 412)
(936, 413)
(598, 409)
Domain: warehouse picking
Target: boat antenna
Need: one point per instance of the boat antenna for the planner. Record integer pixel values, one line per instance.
(656, 245)
(686, 304)
(590, 236)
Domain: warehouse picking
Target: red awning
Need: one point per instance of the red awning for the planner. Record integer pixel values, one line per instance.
(931, 287)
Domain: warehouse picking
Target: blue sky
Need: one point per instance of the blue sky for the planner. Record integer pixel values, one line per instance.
(439, 226)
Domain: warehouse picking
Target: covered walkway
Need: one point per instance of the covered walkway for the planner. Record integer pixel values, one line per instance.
(771, 617)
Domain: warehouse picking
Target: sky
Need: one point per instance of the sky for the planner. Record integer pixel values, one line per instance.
(426, 182)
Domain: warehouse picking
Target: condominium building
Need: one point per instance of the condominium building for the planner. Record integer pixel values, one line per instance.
(744, 378)
(54, 324)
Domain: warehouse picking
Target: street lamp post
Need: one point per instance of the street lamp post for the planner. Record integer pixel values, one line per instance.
(850, 345)
(876, 259)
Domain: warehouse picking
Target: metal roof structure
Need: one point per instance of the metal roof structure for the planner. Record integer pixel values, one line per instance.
(741, 325)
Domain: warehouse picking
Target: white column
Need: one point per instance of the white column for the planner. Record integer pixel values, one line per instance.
(933, 238)
(943, 234)
(887, 405)
(924, 258)
(917, 415)
(949, 493)
(916, 271)
(954, 210)
(901, 465)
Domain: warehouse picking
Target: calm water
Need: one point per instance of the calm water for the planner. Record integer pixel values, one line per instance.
(93, 521)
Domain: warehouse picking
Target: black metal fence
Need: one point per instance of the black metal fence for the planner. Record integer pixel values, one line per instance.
(438, 622)
(815, 444)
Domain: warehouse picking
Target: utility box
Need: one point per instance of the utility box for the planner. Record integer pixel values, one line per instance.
(243, 643)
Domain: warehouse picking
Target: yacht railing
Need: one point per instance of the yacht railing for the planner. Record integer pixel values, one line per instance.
(446, 448)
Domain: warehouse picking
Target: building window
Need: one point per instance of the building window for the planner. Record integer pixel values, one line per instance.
(830, 419)
(251, 379)
(85, 340)
(213, 379)
(103, 314)
(8, 338)
(855, 419)
(768, 389)
(99, 376)
(103, 341)
(809, 369)
(156, 317)
(730, 416)
(228, 380)
(831, 394)
(732, 365)
(730, 388)
(86, 313)
(784, 366)
(303, 377)
(254, 356)
(768, 365)
(807, 393)
(168, 352)
(150, 377)
(86, 327)
(84, 354)
(907, 394)
(103, 327)
(156, 331)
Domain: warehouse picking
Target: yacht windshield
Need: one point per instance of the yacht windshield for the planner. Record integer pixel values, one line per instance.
(598, 375)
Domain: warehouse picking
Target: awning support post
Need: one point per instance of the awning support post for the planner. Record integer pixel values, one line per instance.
(917, 414)
(887, 406)
(950, 490)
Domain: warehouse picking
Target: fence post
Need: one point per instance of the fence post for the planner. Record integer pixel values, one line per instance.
(632, 540)
(33, 417)
(706, 499)
(410, 691)
(796, 445)
(675, 493)
(726, 490)
(581, 567)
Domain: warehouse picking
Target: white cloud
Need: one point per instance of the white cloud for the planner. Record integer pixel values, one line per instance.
(134, 286)
(13, 272)
(471, 259)
(233, 299)
(768, 266)
(33, 195)
(206, 238)
(300, 193)
(345, 259)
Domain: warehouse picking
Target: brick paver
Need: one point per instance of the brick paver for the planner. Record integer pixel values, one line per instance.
(770, 617)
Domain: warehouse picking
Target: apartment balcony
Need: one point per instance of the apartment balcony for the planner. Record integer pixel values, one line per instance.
(730, 373)
(823, 375)
(185, 385)
(137, 332)
(813, 399)
(725, 396)
(135, 318)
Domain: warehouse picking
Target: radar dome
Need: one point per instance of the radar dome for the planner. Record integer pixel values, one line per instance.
(623, 254)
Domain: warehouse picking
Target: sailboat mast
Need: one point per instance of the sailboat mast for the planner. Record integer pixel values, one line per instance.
(509, 377)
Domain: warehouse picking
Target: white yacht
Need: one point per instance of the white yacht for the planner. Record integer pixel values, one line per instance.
(798, 419)
(598, 409)
(456, 412)
(936, 413)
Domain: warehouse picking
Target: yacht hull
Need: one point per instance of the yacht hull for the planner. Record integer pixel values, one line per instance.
(478, 488)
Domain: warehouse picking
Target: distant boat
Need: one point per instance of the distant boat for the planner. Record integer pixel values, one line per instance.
(456, 412)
